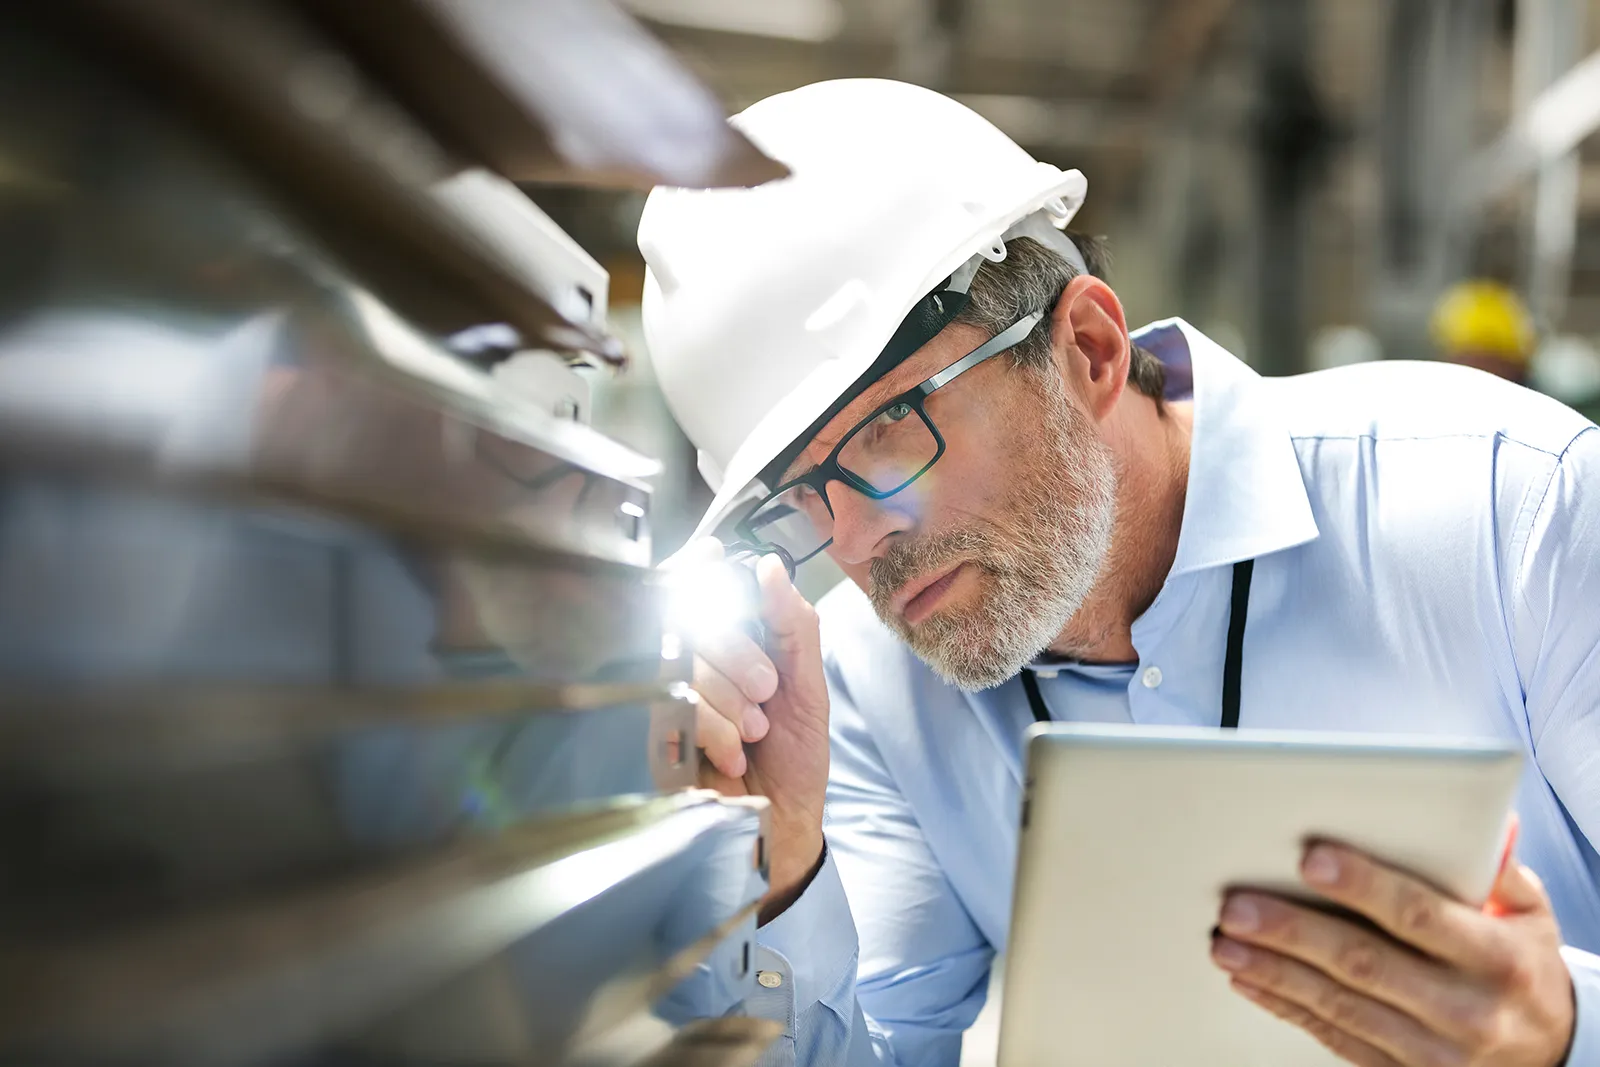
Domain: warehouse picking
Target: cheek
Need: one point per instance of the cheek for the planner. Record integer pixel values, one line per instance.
(972, 476)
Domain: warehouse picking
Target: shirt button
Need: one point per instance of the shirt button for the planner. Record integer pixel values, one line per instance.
(1151, 677)
(769, 979)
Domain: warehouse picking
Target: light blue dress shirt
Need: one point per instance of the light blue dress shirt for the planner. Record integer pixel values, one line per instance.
(1427, 546)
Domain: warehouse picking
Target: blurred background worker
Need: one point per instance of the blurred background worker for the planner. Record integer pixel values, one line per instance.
(1484, 324)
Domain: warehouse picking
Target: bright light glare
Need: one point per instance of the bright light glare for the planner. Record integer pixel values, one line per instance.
(709, 601)
(630, 508)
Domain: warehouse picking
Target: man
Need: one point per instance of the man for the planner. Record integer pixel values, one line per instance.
(1484, 324)
(897, 356)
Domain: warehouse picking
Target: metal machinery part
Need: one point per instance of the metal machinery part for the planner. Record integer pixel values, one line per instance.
(336, 723)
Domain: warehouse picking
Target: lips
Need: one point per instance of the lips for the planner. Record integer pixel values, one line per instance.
(920, 597)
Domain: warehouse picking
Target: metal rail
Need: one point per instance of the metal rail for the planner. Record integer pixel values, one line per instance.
(142, 729)
(240, 985)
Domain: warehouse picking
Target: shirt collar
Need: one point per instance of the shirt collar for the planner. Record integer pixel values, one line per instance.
(1246, 496)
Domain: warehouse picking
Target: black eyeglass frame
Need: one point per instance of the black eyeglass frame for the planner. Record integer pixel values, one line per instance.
(829, 470)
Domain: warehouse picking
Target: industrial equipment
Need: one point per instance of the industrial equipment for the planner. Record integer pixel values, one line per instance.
(338, 721)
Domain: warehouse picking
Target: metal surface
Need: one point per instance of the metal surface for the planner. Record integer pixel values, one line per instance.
(249, 981)
(502, 216)
(346, 158)
(102, 586)
(561, 90)
(147, 729)
(251, 361)
(338, 721)
(174, 831)
(1432, 73)
(1553, 125)
(1548, 42)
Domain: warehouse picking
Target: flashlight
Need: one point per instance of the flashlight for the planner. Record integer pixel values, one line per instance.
(710, 600)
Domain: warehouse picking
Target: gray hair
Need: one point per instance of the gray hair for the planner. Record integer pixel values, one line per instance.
(1030, 279)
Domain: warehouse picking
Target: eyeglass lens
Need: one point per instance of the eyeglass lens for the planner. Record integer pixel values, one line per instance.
(887, 453)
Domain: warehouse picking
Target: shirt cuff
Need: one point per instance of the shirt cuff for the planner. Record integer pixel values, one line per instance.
(1585, 970)
(810, 950)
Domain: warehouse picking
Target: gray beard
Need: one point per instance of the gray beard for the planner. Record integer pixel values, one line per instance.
(1037, 564)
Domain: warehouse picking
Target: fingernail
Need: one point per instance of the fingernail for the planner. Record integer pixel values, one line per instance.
(1322, 867)
(1241, 915)
(762, 679)
(755, 724)
(740, 765)
(1230, 955)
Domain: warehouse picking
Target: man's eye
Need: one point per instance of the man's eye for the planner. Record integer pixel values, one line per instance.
(898, 412)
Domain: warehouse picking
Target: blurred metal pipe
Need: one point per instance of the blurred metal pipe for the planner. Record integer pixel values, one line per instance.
(132, 729)
(1553, 125)
(1186, 33)
(925, 41)
(1548, 32)
(1036, 122)
(1289, 132)
(489, 539)
(1431, 77)
(241, 985)
(745, 67)
(353, 163)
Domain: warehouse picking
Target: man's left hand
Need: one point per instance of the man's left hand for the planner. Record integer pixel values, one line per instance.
(1449, 984)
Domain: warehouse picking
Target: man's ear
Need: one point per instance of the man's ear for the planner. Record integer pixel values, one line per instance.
(1089, 335)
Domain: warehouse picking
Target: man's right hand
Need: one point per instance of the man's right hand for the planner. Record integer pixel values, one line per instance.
(763, 725)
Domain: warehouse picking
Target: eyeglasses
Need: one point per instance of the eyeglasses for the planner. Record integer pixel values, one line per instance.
(885, 452)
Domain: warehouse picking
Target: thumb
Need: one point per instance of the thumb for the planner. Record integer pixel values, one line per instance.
(1516, 888)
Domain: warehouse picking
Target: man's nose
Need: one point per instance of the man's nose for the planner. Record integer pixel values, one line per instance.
(863, 526)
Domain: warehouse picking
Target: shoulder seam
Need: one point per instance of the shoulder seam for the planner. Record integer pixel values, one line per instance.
(1522, 563)
(1491, 435)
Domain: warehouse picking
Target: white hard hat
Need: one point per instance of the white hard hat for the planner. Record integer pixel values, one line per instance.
(764, 307)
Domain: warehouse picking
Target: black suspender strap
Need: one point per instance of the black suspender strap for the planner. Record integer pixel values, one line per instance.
(1232, 663)
(1030, 684)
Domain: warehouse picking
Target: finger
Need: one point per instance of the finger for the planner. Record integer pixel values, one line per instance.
(1335, 1040)
(719, 740)
(1410, 910)
(743, 662)
(729, 701)
(794, 637)
(1516, 889)
(786, 612)
(1377, 1025)
(1358, 959)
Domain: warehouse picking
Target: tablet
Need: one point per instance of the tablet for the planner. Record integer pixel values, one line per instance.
(1130, 835)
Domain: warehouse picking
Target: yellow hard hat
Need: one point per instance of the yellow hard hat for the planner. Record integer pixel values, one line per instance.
(1482, 316)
